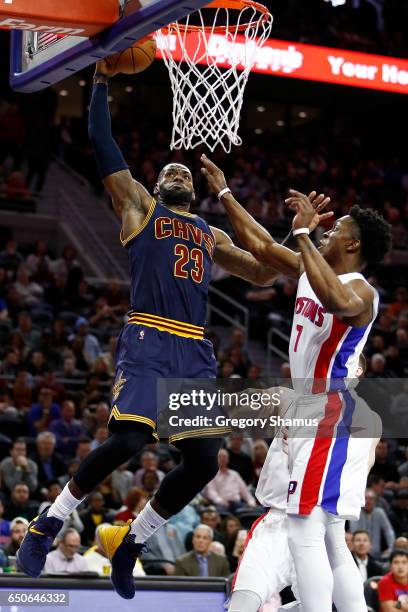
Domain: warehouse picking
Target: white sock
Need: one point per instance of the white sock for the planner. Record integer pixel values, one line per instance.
(64, 504)
(146, 523)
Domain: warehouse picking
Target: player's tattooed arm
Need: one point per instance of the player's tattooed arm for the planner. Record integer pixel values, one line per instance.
(352, 302)
(130, 199)
(240, 263)
(255, 238)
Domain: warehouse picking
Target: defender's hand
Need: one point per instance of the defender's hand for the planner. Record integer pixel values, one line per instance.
(215, 177)
(308, 209)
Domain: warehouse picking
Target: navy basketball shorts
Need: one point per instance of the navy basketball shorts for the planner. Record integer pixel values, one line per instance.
(143, 356)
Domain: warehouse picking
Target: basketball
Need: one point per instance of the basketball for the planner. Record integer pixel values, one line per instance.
(135, 59)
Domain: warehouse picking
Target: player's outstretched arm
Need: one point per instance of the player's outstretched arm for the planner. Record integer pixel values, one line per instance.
(251, 234)
(131, 201)
(350, 301)
(240, 263)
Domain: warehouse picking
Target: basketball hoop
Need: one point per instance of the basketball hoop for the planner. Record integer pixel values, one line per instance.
(209, 65)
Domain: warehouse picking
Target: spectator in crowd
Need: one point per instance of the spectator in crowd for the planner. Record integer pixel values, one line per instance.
(185, 521)
(20, 503)
(101, 434)
(53, 490)
(165, 546)
(83, 448)
(134, 502)
(383, 467)
(18, 529)
(4, 526)
(376, 523)
(29, 292)
(92, 348)
(150, 483)
(227, 489)
(393, 587)
(66, 559)
(377, 484)
(43, 413)
(72, 467)
(121, 482)
(31, 336)
(67, 429)
(229, 529)
(50, 465)
(98, 562)
(259, 452)
(200, 561)
(349, 541)
(10, 257)
(18, 468)
(239, 460)
(401, 543)
(149, 461)
(94, 515)
(367, 566)
(210, 516)
(399, 514)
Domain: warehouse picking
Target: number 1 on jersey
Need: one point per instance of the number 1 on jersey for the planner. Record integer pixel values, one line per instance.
(299, 329)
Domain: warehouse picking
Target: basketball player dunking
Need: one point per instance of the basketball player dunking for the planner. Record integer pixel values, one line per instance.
(170, 254)
(334, 311)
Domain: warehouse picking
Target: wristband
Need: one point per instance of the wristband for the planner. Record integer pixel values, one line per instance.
(301, 230)
(223, 192)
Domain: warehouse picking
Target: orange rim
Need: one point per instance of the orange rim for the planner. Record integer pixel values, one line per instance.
(237, 5)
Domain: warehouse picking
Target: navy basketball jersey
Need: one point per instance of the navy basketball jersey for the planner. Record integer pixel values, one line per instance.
(170, 258)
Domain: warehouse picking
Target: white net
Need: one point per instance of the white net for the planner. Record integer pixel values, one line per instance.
(209, 68)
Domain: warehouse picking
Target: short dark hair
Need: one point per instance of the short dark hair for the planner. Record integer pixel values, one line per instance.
(398, 552)
(375, 233)
(18, 441)
(374, 479)
(356, 533)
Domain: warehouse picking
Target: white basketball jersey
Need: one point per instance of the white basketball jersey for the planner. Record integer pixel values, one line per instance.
(322, 348)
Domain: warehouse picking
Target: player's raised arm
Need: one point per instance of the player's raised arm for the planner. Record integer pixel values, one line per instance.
(131, 201)
(255, 238)
(352, 300)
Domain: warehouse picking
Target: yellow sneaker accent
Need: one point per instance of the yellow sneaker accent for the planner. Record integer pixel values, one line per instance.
(112, 537)
(33, 530)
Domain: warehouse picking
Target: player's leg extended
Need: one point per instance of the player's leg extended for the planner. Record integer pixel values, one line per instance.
(119, 448)
(314, 574)
(348, 591)
(198, 466)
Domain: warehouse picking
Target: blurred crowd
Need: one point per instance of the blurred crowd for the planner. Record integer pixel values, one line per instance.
(374, 26)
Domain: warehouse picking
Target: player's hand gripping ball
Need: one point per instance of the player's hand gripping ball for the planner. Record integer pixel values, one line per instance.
(130, 61)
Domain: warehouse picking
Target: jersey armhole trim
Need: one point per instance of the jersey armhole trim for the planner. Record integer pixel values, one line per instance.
(124, 241)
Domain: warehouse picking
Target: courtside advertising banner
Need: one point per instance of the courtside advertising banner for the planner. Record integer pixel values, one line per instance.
(301, 61)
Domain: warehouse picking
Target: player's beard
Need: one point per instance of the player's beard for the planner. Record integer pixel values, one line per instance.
(172, 196)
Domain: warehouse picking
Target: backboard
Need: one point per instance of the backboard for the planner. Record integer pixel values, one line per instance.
(45, 52)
